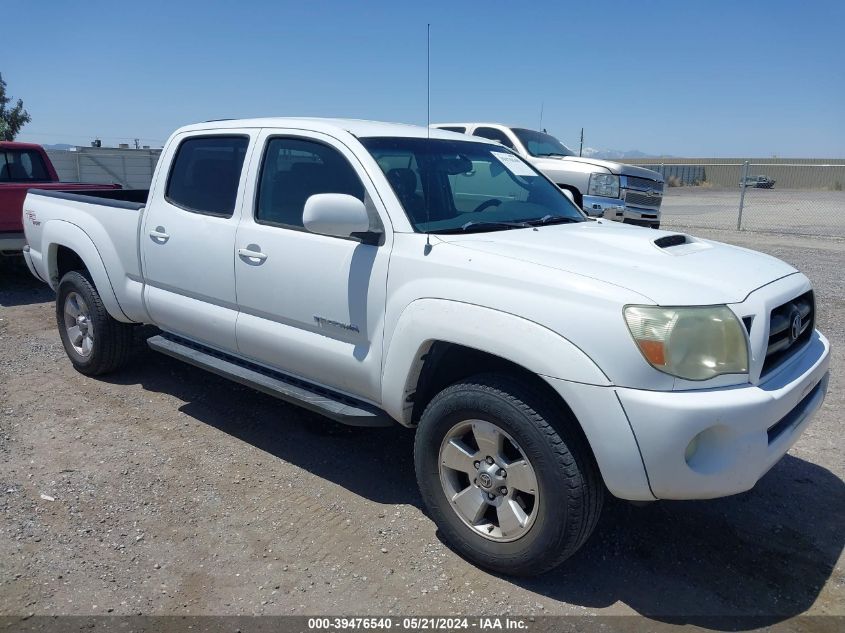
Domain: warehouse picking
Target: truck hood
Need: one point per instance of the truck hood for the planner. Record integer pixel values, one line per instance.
(554, 162)
(695, 272)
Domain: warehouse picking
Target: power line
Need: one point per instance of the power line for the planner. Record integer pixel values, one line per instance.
(89, 136)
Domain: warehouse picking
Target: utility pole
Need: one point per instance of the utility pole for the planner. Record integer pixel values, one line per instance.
(742, 183)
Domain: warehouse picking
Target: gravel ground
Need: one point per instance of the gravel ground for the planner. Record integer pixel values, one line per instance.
(166, 490)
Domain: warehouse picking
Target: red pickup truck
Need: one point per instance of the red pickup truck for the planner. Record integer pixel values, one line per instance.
(24, 166)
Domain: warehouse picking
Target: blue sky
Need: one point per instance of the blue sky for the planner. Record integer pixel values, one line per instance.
(703, 78)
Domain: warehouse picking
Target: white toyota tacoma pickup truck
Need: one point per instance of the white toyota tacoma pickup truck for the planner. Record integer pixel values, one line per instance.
(380, 273)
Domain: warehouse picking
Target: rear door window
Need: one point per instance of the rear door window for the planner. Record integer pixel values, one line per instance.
(22, 166)
(205, 174)
(494, 135)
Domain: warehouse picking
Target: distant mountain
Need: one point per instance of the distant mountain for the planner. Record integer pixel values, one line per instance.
(615, 154)
(63, 146)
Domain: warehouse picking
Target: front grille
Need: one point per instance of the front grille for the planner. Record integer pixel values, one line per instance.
(643, 184)
(643, 222)
(785, 333)
(637, 199)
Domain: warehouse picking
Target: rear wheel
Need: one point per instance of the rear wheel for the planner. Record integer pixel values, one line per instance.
(508, 480)
(94, 341)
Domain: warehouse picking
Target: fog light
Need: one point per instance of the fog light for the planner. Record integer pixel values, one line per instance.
(692, 447)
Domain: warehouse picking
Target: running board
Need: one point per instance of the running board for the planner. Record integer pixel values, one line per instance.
(333, 405)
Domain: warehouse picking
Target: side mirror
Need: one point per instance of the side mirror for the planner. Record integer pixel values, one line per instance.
(571, 196)
(338, 215)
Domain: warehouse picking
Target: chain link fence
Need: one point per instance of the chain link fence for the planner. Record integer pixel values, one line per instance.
(797, 198)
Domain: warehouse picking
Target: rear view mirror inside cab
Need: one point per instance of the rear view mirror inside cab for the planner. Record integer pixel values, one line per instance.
(454, 165)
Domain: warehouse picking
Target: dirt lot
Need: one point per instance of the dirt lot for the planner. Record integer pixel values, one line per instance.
(798, 211)
(172, 491)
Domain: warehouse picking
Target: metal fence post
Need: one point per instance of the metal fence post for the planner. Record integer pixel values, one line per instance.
(741, 195)
(78, 168)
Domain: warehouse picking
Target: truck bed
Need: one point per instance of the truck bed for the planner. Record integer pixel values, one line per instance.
(12, 197)
(99, 226)
(123, 198)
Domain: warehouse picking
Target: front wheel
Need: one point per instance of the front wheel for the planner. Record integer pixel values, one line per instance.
(507, 478)
(95, 342)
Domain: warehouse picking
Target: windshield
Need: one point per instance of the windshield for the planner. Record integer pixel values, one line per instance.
(541, 144)
(450, 186)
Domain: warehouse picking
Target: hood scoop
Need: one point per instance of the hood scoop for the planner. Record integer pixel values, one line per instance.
(668, 241)
(680, 244)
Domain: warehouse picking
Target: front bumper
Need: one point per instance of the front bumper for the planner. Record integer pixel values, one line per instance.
(12, 243)
(640, 438)
(616, 209)
(718, 442)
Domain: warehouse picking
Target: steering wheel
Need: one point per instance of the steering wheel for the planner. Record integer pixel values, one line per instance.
(492, 202)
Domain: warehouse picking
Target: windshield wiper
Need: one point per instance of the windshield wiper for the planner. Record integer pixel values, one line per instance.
(553, 154)
(478, 226)
(553, 219)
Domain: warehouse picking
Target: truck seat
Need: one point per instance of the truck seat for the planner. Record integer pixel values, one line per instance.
(404, 183)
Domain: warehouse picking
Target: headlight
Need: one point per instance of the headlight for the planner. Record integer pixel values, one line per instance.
(690, 343)
(604, 185)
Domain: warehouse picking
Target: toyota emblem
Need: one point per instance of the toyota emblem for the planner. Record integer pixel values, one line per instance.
(795, 330)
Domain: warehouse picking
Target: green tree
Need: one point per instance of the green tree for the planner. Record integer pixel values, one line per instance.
(11, 119)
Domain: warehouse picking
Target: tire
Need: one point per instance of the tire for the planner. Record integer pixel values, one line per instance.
(569, 492)
(110, 342)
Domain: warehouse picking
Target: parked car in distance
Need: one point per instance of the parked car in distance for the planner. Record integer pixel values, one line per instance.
(759, 182)
(22, 166)
(602, 188)
(544, 358)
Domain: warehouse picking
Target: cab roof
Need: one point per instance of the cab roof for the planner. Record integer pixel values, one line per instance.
(473, 124)
(19, 145)
(356, 127)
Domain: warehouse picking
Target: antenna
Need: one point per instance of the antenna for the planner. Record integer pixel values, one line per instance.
(542, 103)
(427, 192)
(428, 78)
(581, 147)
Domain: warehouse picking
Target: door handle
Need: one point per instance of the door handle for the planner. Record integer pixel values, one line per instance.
(159, 236)
(252, 255)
